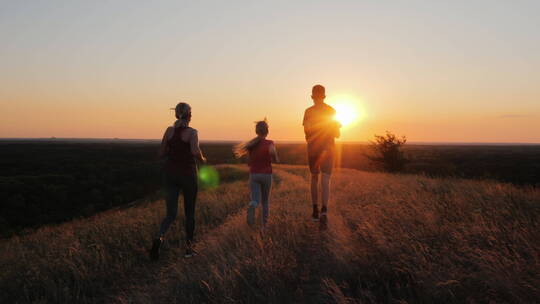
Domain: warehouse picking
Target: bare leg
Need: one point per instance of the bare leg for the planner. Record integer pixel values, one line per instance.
(314, 188)
(325, 185)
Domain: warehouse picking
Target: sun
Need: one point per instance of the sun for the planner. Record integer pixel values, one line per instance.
(346, 113)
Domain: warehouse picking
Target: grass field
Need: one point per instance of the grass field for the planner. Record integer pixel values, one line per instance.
(49, 182)
(390, 238)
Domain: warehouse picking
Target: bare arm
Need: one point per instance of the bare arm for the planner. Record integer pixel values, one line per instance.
(336, 125)
(338, 129)
(308, 130)
(307, 125)
(195, 149)
(273, 153)
(164, 149)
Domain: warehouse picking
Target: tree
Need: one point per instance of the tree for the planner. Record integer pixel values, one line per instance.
(387, 152)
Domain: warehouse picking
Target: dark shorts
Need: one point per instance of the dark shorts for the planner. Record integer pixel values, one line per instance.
(320, 160)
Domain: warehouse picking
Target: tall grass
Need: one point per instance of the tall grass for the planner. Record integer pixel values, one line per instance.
(82, 260)
(390, 238)
(442, 240)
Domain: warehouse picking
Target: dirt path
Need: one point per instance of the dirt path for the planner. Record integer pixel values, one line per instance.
(149, 283)
(308, 252)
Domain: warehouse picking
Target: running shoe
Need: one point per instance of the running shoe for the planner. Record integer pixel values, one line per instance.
(154, 252)
(323, 211)
(315, 215)
(190, 252)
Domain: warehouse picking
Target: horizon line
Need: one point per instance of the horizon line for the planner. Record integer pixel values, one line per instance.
(86, 139)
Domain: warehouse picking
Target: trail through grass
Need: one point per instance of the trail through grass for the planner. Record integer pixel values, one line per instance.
(389, 239)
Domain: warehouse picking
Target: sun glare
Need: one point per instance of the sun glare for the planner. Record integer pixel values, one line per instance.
(346, 114)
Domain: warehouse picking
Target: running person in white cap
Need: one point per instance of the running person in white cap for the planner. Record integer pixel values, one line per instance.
(180, 148)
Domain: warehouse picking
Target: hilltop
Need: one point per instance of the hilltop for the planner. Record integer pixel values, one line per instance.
(389, 238)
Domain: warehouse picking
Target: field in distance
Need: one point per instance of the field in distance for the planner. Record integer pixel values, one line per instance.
(390, 238)
(51, 181)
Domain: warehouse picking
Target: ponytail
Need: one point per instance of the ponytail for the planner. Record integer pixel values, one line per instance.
(183, 114)
(244, 148)
(261, 128)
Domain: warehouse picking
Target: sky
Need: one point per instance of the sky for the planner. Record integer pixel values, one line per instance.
(434, 71)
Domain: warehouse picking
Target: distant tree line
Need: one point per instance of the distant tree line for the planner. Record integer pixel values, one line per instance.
(48, 183)
(518, 164)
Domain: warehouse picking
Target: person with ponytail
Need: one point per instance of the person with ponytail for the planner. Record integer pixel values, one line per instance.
(180, 150)
(260, 152)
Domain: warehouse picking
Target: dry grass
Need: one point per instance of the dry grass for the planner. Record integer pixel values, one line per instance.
(390, 239)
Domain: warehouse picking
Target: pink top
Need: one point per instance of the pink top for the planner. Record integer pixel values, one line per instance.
(260, 160)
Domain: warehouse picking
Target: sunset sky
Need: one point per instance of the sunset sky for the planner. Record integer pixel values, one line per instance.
(434, 71)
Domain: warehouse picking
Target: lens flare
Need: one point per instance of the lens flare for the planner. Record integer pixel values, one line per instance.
(346, 114)
(208, 177)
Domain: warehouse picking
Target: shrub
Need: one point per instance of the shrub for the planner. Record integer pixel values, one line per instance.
(387, 152)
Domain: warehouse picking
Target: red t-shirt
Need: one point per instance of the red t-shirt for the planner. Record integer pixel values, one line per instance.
(260, 160)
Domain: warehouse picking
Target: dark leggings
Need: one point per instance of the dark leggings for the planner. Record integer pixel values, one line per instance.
(175, 183)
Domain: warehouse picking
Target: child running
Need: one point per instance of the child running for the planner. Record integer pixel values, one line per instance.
(260, 152)
(321, 130)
